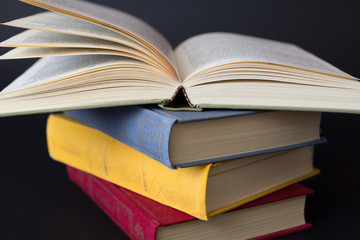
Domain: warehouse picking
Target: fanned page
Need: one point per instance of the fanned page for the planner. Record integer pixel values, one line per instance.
(35, 43)
(67, 68)
(236, 71)
(65, 35)
(113, 19)
(93, 56)
(56, 22)
(78, 82)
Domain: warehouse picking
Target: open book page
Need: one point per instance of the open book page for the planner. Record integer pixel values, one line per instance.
(79, 82)
(56, 22)
(213, 49)
(35, 38)
(39, 52)
(43, 39)
(53, 68)
(112, 19)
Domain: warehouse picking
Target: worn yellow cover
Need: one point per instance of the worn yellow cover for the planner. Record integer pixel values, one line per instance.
(78, 145)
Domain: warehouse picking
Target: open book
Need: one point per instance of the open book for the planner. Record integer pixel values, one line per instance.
(95, 56)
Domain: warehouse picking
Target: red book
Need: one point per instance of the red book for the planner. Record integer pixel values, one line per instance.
(139, 217)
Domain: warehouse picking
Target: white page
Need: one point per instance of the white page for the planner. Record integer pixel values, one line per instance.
(52, 68)
(112, 18)
(56, 22)
(39, 52)
(213, 49)
(36, 38)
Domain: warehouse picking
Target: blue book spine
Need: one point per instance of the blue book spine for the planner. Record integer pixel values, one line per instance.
(140, 128)
(148, 130)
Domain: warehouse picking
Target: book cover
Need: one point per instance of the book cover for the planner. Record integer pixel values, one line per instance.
(140, 217)
(202, 191)
(149, 130)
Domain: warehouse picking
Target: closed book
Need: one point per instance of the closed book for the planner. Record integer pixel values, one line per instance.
(188, 138)
(201, 191)
(274, 215)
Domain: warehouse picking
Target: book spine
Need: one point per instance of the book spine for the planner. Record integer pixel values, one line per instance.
(140, 128)
(80, 146)
(124, 212)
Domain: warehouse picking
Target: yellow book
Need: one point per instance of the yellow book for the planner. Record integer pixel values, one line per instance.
(201, 191)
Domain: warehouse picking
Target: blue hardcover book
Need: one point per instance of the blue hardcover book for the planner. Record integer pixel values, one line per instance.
(188, 138)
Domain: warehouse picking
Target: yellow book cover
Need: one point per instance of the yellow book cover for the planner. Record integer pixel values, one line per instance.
(201, 191)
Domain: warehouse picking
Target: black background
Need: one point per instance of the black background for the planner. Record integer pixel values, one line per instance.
(38, 201)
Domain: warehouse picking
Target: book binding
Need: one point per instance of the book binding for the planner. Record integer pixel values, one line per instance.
(142, 129)
(148, 130)
(116, 204)
(140, 217)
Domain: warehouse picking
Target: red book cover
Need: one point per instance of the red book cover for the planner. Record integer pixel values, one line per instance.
(139, 217)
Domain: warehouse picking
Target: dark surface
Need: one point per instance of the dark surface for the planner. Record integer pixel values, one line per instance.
(38, 201)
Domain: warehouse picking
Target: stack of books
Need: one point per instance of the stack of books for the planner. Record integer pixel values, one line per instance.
(154, 171)
(161, 174)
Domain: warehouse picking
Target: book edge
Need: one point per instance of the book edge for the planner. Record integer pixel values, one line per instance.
(284, 232)
(321, 140)
(262, 194)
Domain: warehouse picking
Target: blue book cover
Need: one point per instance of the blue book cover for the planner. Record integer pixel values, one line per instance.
(148, 129)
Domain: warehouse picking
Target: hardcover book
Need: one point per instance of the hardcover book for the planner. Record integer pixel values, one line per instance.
(95, 56)
(274, 215)
(187, 138)
(201, 191)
